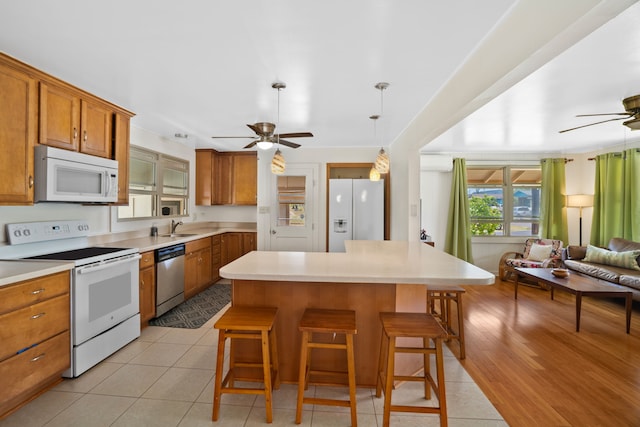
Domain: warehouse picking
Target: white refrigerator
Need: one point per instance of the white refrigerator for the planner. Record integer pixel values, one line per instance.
(356, 211)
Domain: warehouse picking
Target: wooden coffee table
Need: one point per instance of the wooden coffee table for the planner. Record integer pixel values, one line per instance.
(578, 285)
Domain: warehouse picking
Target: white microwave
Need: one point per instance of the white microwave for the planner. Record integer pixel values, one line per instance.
(69, 176)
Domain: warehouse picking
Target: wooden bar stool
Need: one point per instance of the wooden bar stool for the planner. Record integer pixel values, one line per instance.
(446, 295)
(411, 325)
(327, 322)
(247, 323)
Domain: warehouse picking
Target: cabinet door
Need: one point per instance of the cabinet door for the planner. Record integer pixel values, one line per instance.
(59, 117)
(204, 177)
(222, 174)
(231, 247)
(95, 136)
(147, 294)
(18, 128)
(121, 154)
(245, 179)
(205, 269)
(191, 274)
(248, 242)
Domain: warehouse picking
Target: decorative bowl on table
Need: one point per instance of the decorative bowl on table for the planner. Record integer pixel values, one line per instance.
(560, 272)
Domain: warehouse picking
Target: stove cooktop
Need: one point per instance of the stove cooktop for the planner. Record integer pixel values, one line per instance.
(78, 254)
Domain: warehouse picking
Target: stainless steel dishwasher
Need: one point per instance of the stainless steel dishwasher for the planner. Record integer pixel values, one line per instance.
(169, 278)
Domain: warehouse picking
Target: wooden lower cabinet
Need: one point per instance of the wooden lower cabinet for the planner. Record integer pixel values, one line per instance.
(236, 244)
(216, 257)
(197, 266)
(34, 336)
(147, 288)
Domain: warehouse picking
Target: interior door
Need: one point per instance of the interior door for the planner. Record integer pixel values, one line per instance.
(292, 209)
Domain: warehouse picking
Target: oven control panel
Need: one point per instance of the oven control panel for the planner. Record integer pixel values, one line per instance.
(32, 232)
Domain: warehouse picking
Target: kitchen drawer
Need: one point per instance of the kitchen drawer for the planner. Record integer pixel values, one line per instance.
(215, 240)
(32, 369)
(25, 293)
(147, 259)
(196, 245)
(23, 328)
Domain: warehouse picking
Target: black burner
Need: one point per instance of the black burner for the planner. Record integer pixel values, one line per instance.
(78, 254)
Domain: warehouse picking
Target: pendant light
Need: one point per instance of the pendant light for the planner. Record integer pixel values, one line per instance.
(374, 174)
(382, 161)
(277, 162)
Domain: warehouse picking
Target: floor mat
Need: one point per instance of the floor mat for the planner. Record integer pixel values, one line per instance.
(195, 312)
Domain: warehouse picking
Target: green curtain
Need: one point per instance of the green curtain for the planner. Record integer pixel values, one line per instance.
(553, 215)
(616, 202)
(458, 238)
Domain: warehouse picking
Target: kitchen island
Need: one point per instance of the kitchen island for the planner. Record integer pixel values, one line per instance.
(372, 276)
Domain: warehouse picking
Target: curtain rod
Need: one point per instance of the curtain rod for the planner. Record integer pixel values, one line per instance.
(637, 151)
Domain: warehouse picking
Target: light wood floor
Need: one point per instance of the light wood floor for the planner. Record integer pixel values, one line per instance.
(538, 371)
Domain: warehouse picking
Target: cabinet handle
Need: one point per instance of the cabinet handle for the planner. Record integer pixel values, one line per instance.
(30, 181)
(35, 359)
(37, 291)
(36, 316)
(75, 133)
(85, 135)
(141, 283)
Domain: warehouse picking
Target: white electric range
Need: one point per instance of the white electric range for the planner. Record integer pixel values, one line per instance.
(105, 313)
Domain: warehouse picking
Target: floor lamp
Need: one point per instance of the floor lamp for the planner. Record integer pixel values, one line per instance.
(580, 201)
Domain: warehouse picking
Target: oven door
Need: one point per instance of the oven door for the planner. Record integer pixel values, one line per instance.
(104, 294)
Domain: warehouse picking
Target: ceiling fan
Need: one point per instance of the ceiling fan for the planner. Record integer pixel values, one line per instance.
(264, 136)
(632, 112)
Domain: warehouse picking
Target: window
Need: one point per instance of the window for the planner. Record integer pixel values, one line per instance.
(504, 200)
(291, 197)
(158, 186)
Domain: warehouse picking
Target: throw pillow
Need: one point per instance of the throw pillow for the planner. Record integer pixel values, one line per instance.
(539, 252)
(626, 259)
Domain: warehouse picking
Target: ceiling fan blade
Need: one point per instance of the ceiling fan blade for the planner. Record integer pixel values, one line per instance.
(289, 143)
(591, 124)
(296, 135)
(231, 137)
(251, 144)
(604, 114)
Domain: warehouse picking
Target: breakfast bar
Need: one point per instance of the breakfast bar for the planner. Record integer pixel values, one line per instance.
(371, 277)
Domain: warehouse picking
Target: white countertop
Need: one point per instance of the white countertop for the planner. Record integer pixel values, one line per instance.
(17, 271)
(365, 261)
(149, 243)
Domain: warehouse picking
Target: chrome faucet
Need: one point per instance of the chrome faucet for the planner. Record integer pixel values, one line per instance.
(175, 225)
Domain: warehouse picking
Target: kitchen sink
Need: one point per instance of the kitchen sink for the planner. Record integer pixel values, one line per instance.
(177, 235)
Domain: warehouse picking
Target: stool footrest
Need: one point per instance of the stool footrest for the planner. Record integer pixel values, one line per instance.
(328, 402)
(416, 350)
(326, 345)
(416, 409)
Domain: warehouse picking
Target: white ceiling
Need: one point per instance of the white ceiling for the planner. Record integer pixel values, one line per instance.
(205, 68)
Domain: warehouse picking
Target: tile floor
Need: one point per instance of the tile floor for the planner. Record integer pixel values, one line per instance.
(165, 378)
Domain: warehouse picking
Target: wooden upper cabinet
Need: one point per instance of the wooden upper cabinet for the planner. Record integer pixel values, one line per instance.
(229, 178)
(245, 179)
(18, 134)
(121, 154)
(59, 117)
(204, 177)
(223, 168)
(95, 129)
(71, 122)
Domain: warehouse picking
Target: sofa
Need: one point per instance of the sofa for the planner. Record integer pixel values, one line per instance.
(618, 263)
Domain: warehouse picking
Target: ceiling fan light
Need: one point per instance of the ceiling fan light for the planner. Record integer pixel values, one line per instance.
(382, 162)
(277, 163)
(374, 175)
(264, 144)
(633, 124)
